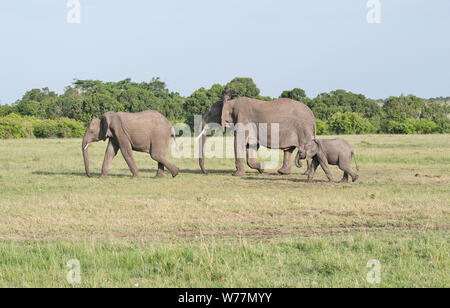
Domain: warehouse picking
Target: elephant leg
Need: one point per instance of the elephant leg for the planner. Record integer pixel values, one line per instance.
(251, 161)
(312, 167)
(344, 178)
(239, 149)
(354, 175)
(240, 171)
(344, 165)
(159, 155)
(111, 152)
(160, 172)
(127, 152)
(287, 162)
(314, 164)
(325, 168)
(174, 170)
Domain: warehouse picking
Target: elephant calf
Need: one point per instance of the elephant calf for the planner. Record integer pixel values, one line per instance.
(323, 152)
(147, 131)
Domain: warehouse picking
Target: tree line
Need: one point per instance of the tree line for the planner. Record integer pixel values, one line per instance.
(44, 113)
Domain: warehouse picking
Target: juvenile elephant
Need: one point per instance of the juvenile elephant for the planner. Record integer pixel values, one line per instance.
(147, 131)
(328, 151)
(295, 121)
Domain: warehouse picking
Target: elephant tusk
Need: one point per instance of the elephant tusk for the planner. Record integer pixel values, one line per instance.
(201, 134)
(87, 145)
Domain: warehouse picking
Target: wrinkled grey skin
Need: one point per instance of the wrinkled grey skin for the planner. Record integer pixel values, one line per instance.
(297, 126)
(328, 152)
(147, 131)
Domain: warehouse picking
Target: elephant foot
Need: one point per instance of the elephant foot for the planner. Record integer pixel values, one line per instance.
(343, 181)
(103, 176)
(284, 171)
(175, 173)
(135, 177)
(239, 173)
(159, 176)
(261, 168)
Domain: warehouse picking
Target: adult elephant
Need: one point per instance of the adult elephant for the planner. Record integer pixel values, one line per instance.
(296, 122)
(214, 116)
(147, 131)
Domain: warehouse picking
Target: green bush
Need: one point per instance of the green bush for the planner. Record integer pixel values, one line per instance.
(322, 127)
(424, 126)
(443, 125)
(71, 128)
(61, 128)
(350, 123)
(44, 128)
(410, 126)
(14, 126)
(444, 128)
(398, 127)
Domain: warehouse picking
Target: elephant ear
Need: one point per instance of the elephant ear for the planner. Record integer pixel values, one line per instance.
(216, 111)
(105, 130)
(320, 151)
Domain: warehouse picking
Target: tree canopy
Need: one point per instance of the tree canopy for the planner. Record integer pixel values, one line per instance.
(295, 94)
(337, 111)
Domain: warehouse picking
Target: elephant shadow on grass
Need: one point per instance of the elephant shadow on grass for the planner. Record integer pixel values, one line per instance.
(277, 178)
(187, 171)
(78, 174)
(210, 172)
(126, 173)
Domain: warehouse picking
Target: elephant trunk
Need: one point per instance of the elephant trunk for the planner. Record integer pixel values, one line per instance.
(201, 159)
(85, 146)
(226, 98)
(298, 161)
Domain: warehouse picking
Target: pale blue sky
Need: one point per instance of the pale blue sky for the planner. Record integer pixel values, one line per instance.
(316, 45)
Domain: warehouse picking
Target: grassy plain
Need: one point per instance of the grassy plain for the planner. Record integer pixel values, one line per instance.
(219, 231)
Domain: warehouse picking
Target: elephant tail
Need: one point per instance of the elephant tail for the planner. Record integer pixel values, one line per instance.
(356, 163)
(298, 161)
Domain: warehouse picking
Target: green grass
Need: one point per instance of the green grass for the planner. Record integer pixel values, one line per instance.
(219, 231)
(415, 259)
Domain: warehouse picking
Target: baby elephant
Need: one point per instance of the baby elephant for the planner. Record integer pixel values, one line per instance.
(328, 151)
